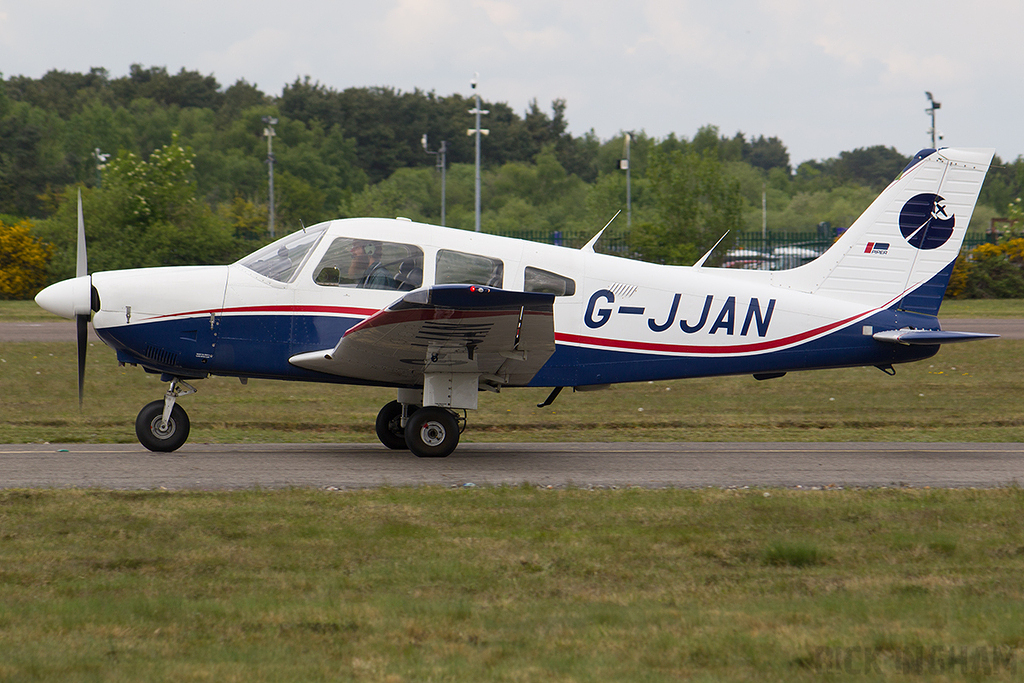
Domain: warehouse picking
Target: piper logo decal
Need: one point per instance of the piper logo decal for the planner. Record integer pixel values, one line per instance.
(877, 248)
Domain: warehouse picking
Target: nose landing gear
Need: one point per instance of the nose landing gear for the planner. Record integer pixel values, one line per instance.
(163, 426)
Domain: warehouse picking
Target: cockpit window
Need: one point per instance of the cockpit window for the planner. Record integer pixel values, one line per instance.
(456, 267)
(370, 264)
(281, 260)
(537, 280)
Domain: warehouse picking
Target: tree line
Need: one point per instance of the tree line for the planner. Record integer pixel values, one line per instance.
(173, 168)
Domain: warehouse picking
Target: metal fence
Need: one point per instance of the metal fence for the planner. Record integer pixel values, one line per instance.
(610, 243)
(774, 250)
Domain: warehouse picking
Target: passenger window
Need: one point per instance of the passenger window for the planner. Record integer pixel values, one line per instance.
(455, 267)
(537, 280)
(370, 264)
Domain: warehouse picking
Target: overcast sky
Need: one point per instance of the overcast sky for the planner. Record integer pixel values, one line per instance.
(823, 76)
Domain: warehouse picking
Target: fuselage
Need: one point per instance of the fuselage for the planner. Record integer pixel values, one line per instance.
(616, 319)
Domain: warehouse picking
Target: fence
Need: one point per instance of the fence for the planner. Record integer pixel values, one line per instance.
(774, 250)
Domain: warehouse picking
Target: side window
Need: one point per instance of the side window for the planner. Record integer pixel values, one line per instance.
(456, 267)
(370, 264)
(546, 282)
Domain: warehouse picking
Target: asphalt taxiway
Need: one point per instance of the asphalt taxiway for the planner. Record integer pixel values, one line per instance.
(649, 465)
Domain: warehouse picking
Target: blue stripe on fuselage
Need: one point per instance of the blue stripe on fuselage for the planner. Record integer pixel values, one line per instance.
(259, 346)
(846, 347)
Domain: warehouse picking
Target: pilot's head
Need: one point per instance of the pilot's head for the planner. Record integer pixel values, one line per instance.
(366, 248)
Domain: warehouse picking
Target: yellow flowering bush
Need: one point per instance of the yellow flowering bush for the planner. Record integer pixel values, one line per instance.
(23, 261)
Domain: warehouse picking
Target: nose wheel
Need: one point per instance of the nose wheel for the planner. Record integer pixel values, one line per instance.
(163, 425)
(157, 434)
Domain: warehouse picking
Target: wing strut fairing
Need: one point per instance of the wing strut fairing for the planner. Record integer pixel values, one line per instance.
(450, 339)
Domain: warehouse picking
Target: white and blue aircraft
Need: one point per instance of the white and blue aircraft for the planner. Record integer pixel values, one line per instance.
(441, 314)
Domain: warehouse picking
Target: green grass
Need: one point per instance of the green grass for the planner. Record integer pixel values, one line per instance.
(982, 308)
(25, 312)
(503, 584)
(968, 392)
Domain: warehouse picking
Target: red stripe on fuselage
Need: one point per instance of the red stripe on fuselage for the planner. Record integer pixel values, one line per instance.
(704, 349)
(328, 310)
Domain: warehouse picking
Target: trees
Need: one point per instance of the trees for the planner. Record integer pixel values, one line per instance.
(357, 151)
(694, 204)
(145, 213)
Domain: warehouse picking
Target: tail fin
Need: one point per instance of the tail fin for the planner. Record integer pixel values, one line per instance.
(900, 252)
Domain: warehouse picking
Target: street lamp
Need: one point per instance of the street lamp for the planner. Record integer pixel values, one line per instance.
(101, 163)
(268, 133)
(624, 164)
(478, 131)
(931, 110)
(442, 155)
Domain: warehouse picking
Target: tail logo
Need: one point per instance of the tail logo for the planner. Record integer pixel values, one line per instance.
(925, 223)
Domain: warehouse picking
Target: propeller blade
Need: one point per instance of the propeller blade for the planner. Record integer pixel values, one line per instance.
(81, 265)
(82, 319)
(82, 325)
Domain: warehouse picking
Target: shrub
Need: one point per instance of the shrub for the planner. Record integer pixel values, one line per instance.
(23, 261)
(990, 271)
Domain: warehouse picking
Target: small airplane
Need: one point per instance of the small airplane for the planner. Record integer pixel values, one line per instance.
(441, 314)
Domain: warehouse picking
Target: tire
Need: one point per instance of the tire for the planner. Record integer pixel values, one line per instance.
(172, 437)
(432, 432)
(389, 426)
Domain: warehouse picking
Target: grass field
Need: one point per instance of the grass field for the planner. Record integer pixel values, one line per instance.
(968, 392)
(519, 583)
(512, 584)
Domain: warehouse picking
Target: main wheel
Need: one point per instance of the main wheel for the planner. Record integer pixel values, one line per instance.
(389, 425)
(432, 432)
(168, 438)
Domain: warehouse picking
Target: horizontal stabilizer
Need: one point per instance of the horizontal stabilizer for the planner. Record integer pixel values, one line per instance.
(929, 337)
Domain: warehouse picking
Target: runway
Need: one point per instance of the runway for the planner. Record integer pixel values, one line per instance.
(649, 465)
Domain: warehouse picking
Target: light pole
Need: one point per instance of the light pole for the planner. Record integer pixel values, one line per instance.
(101, 163)
(268, 133)
(478, 131)
(931, 110)
(442, 156)
(624, 164)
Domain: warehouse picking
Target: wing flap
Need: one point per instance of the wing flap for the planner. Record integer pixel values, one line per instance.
(506, 336)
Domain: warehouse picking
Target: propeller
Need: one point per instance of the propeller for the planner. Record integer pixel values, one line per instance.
(82, 319)
(75, 298)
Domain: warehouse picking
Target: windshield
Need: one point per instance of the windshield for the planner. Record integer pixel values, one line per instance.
(280, 260)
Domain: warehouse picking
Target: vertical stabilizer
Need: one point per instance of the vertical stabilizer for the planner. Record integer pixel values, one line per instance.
(901, 251)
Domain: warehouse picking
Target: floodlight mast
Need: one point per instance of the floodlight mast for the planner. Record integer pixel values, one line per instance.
(625, 164)
(478, 131)
(931, 110)
(442, 162)
(268, 133)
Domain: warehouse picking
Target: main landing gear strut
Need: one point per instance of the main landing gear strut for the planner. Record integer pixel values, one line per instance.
(430, 432)
(163, 425)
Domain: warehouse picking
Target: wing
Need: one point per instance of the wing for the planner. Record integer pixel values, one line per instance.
(505, 337)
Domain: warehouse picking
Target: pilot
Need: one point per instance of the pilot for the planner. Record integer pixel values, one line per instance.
(366, 267)
(280, 265)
